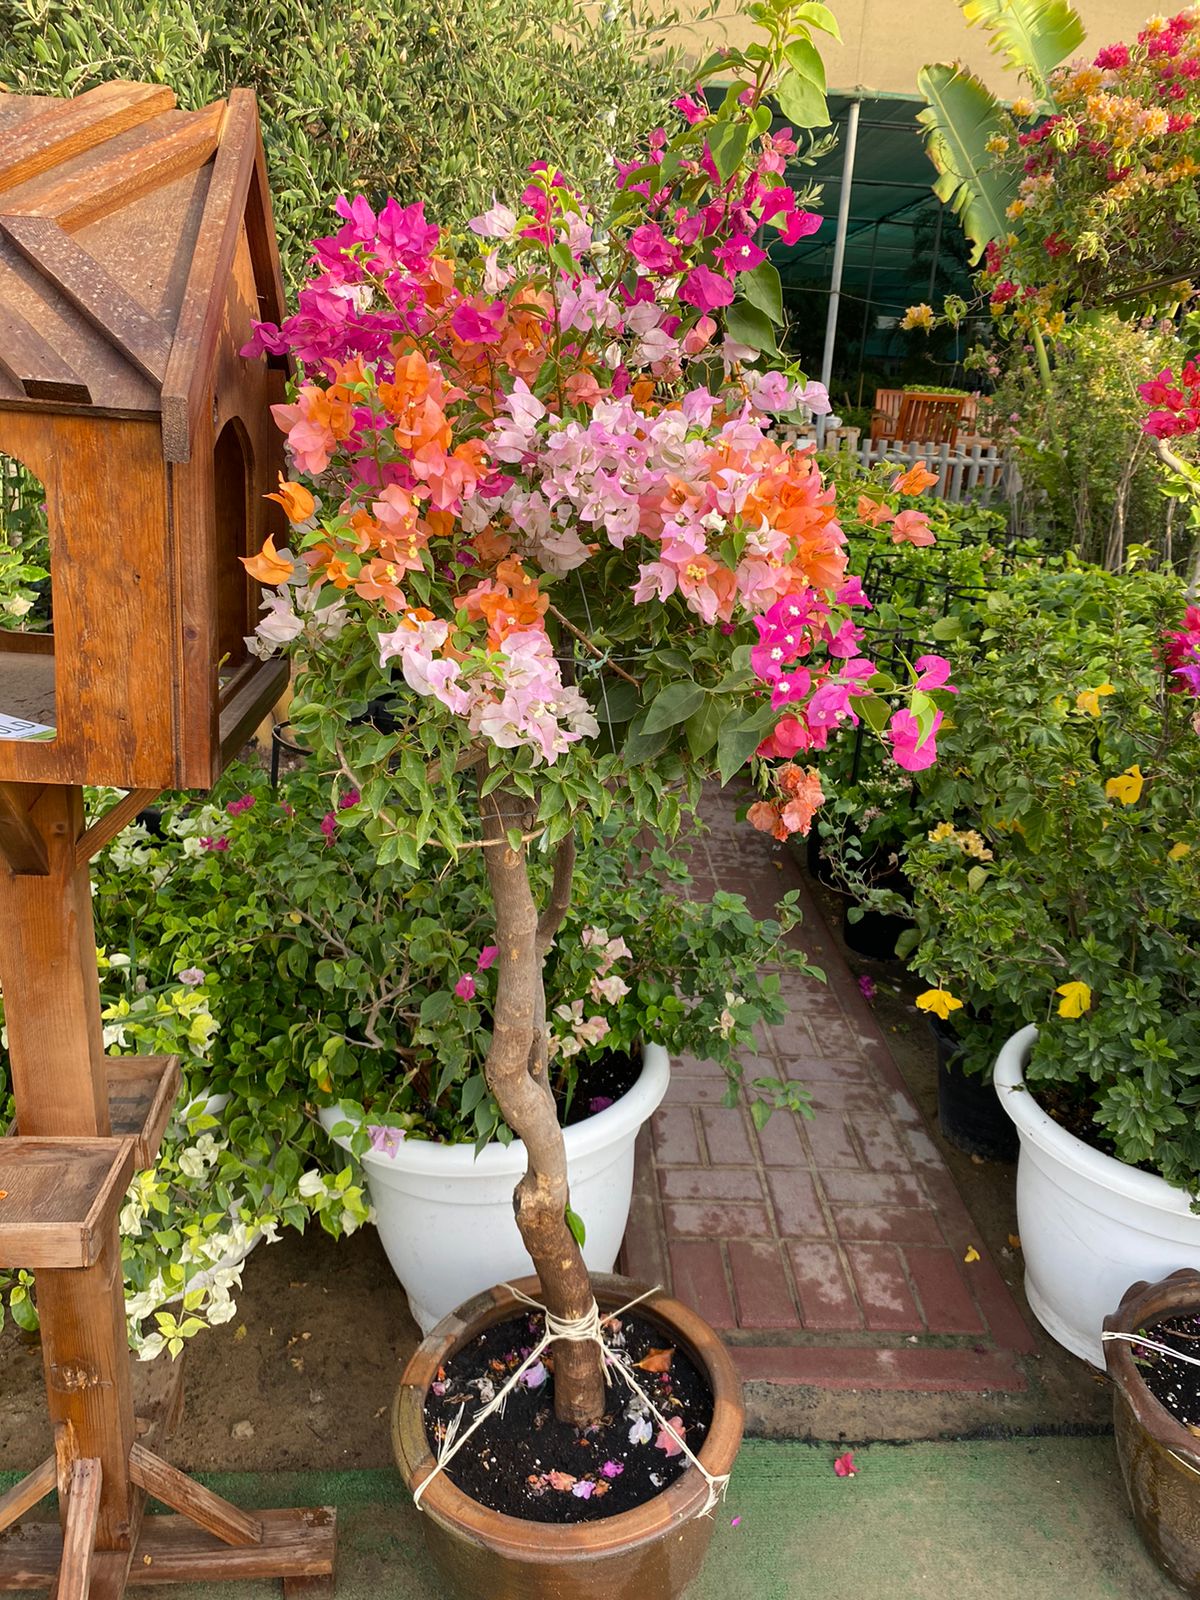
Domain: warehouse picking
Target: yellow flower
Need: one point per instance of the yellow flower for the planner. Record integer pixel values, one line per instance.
(1127, 788)
(1076, 999)
(944, 830)
(1016, 209)
(917, 317)
(1022, 108)
(997, 145)
(1089, 699)
(1178, 851)
(939, 1001)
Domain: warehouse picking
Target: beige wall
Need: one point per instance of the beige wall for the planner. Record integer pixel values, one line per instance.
(886, 41)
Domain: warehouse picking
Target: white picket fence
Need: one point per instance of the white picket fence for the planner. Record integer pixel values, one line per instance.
(972, 469)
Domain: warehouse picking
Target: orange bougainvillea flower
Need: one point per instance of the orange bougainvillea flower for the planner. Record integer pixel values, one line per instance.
(916, 480)
(491, 545)
(268, 566)
(379, 580)
(873, 512)
(509, 603)
(295, 499)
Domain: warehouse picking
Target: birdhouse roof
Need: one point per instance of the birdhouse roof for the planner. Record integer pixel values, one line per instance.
(119, 217)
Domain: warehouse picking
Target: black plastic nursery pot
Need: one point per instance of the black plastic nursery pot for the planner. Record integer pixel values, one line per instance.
(970, 1115)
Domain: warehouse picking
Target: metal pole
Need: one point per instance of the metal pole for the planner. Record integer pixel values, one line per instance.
(839, 247)
(868, 302)
(937, 250)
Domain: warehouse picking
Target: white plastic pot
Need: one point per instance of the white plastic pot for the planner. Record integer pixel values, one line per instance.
(445, 1215)
(1089, 1225)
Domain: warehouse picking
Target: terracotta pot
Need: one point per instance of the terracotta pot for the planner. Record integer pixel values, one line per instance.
(652, 1553)
(1160, 1459)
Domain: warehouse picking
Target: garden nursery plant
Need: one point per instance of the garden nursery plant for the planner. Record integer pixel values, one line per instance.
(538, 509)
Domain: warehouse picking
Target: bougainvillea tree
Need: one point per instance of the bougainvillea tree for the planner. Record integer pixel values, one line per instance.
(540, 510)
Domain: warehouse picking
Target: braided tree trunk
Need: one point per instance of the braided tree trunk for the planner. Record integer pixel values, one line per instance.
(516, 1071)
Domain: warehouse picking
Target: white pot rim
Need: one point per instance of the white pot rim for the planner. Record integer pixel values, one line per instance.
(1040, 1129)
(426, 1157)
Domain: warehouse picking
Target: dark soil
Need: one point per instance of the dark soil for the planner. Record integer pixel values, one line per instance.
(598, 1084)
(1174, 1384)
(526, 1464)
(1073, 1108)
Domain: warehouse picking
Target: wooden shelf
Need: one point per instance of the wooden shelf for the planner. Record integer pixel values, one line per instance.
(61, 1199)
(141, 1094)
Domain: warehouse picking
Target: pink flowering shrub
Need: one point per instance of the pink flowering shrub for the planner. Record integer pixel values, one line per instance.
(541, 510)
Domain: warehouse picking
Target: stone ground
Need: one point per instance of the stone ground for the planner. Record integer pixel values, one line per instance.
(830, 1253)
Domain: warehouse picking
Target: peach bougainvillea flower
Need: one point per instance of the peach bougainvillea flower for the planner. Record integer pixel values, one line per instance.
(296, 500)
(916, 480)
(270, 566)
(912, 527)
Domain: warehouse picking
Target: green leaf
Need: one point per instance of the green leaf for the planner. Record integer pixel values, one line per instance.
(907, 943)
(760, 1113)
(874, 710)
(675, 704)
(960, 116)
(763, 289)
(739, 740)
(804, 58)
(1034, 35)
(976, 879)
(819, 17)
(614, 701)
(801, 102)
(748, 325)
(703, 727)
(578, 1231)
(727, 141)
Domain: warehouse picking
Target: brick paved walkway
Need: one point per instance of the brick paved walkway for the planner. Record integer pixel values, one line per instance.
(828, 1251)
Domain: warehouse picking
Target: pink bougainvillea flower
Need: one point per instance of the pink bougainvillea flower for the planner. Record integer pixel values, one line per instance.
(735, 1522)
(476, 323)
(244, 803)
(210, 843)
(909, 749)
(651, 249)
(486, 956)
(798, 225)
(329, 826)
(583, 1489)
(535, 1376)
(912, 527)
(844, 1465)
(933, 673)
(612, 1469)
(350, 798)
(706, 290)
(669, 1438)
(465, 987)
(866, 986)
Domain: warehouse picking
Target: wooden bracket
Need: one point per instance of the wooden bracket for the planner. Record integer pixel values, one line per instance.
(23, 1496)
(21, 842)
(110, 823)
(79, 1531)
(191, 1499)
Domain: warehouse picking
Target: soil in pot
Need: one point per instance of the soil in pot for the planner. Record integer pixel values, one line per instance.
(1174, 1384)
(598, 1084)
(524, 1463)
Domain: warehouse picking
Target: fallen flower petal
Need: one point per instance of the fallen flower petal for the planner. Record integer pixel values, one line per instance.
(735, 1522)
(844, 1465)
(668, 1440)
(561, 1481)
(536, 1376)
(971, 1255)
(612, 1469)
(641, 1432)
(656, 1361)
(584, 1489)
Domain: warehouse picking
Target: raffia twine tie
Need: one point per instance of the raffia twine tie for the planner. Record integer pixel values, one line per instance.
(586, 1329)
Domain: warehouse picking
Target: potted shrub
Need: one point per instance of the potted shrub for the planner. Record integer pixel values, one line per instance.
(538, 503)
(1058, 892)
(1150, 1346)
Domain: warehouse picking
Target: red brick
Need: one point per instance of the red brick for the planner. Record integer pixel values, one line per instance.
(918, 1371)
(858, 1100)
(717, 1220)
(922, 1152)
(846, 1187)
(824, 1069)
(780, 1141)
(1000, 1310)
(797, 1207)
(829, 1142)
(882, 1287)
(896, 1224)
(694, 1091)
(692, 1067)
(880, 1144)
(726, 1136)
(760, 1286)
(698, 1279)
(710, 1183)
(945, 1298)
(836, 1038)
(676, 1140)
(826, 1298)
(644, 1248)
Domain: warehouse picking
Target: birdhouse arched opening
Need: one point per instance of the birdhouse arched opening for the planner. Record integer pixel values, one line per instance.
(27, 698)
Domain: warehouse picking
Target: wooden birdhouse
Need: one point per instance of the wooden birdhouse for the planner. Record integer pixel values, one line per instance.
(136, 249)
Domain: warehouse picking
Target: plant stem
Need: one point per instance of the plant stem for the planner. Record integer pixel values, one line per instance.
(523, 1095)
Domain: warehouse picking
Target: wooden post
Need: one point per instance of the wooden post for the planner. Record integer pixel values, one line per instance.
(48, 974)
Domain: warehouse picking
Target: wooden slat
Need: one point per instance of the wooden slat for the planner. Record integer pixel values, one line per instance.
(34, 365)
(21, 842)
(61, 1196)
(295, 1544)
(247, 707)
(201, 311)
(82, 280)
(68, 129)
(23, 1496)
(104, 187)
(111, 822)
(79, 1532)
(192, 1500)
